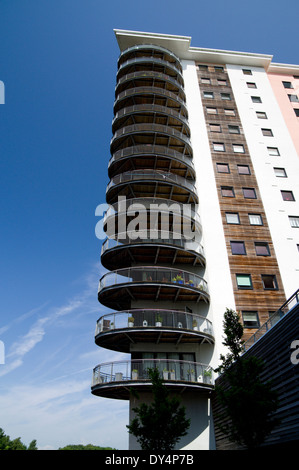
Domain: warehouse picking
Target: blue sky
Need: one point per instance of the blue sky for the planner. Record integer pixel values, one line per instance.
(58, 64)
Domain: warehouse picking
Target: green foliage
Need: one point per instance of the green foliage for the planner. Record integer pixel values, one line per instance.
(7, 444)
(233, 331)
(82, 447)
(159, 426)
(248, 403)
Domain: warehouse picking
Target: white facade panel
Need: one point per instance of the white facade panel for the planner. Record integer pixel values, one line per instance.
(285, 238)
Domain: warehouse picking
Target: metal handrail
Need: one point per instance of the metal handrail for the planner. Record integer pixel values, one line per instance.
(138, 370)
(274, 318)
(153, 318)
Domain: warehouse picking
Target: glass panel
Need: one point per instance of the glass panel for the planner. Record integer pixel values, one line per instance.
(243, 280)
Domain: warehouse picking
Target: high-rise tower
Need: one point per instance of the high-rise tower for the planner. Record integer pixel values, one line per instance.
(202, 217)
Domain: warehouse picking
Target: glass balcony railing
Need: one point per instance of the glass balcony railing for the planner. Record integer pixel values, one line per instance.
(150, 91)
(153, 207)
(152, 109)
(151, 175)
(138, 370)
(154, 318)
(153, 274)
(169, 68)
(152, 76)
(154, 50)
(152, 150)
(178, 241)
(151, 129)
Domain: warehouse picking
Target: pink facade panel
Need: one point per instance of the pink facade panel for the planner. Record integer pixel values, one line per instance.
(286, 90)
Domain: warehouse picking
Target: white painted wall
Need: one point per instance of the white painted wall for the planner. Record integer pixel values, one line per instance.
(285, 238)
(217, 272)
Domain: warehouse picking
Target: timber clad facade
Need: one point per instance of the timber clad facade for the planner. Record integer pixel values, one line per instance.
(249, 247)
(215, 131)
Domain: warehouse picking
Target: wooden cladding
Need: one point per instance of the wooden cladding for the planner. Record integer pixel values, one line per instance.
(250, 250)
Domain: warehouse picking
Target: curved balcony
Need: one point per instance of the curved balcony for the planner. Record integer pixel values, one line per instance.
(156, 213)
(149, 78)
(117, 331)
(153, 114)
(147, 183)
(153, 134)
(150, 50)
(150, 95)
(151, 157)
(114, 379)
(119, 252)
(118, 288)
(150, 63)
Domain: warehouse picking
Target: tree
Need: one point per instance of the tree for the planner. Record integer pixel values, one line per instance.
(248, 403)
(160, 425)
(7, 444)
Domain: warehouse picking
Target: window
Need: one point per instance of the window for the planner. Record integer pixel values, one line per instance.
(287, 195)
(202, 67)
(222, 167)
(238, 248)
(297, 247)
(251, 84)
(243, 169)
(222, 82)
(208, 94)
(280, 172)
(261, 115)
(262, 249)
(256, 99)
(249, 193)
(225, 96)
(244, 281)
(218, 68)
(238, 148)
(273, 151)
(229, 112)
(255, 219)
(247, 71)
(293, 98)
(218, 146)
(296, 111)
(211, 110)
(250, 319)
(234, 129)
(294, 221)
(206, 81)
(287, 84)
(267, 132)
(227, 191)
(215, 127)
(269, 281)
(232, 218)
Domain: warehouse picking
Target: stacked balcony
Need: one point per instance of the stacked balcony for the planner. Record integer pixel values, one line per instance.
(151, 172)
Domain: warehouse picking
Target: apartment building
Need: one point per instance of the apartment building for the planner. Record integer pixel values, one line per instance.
(203, 214)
